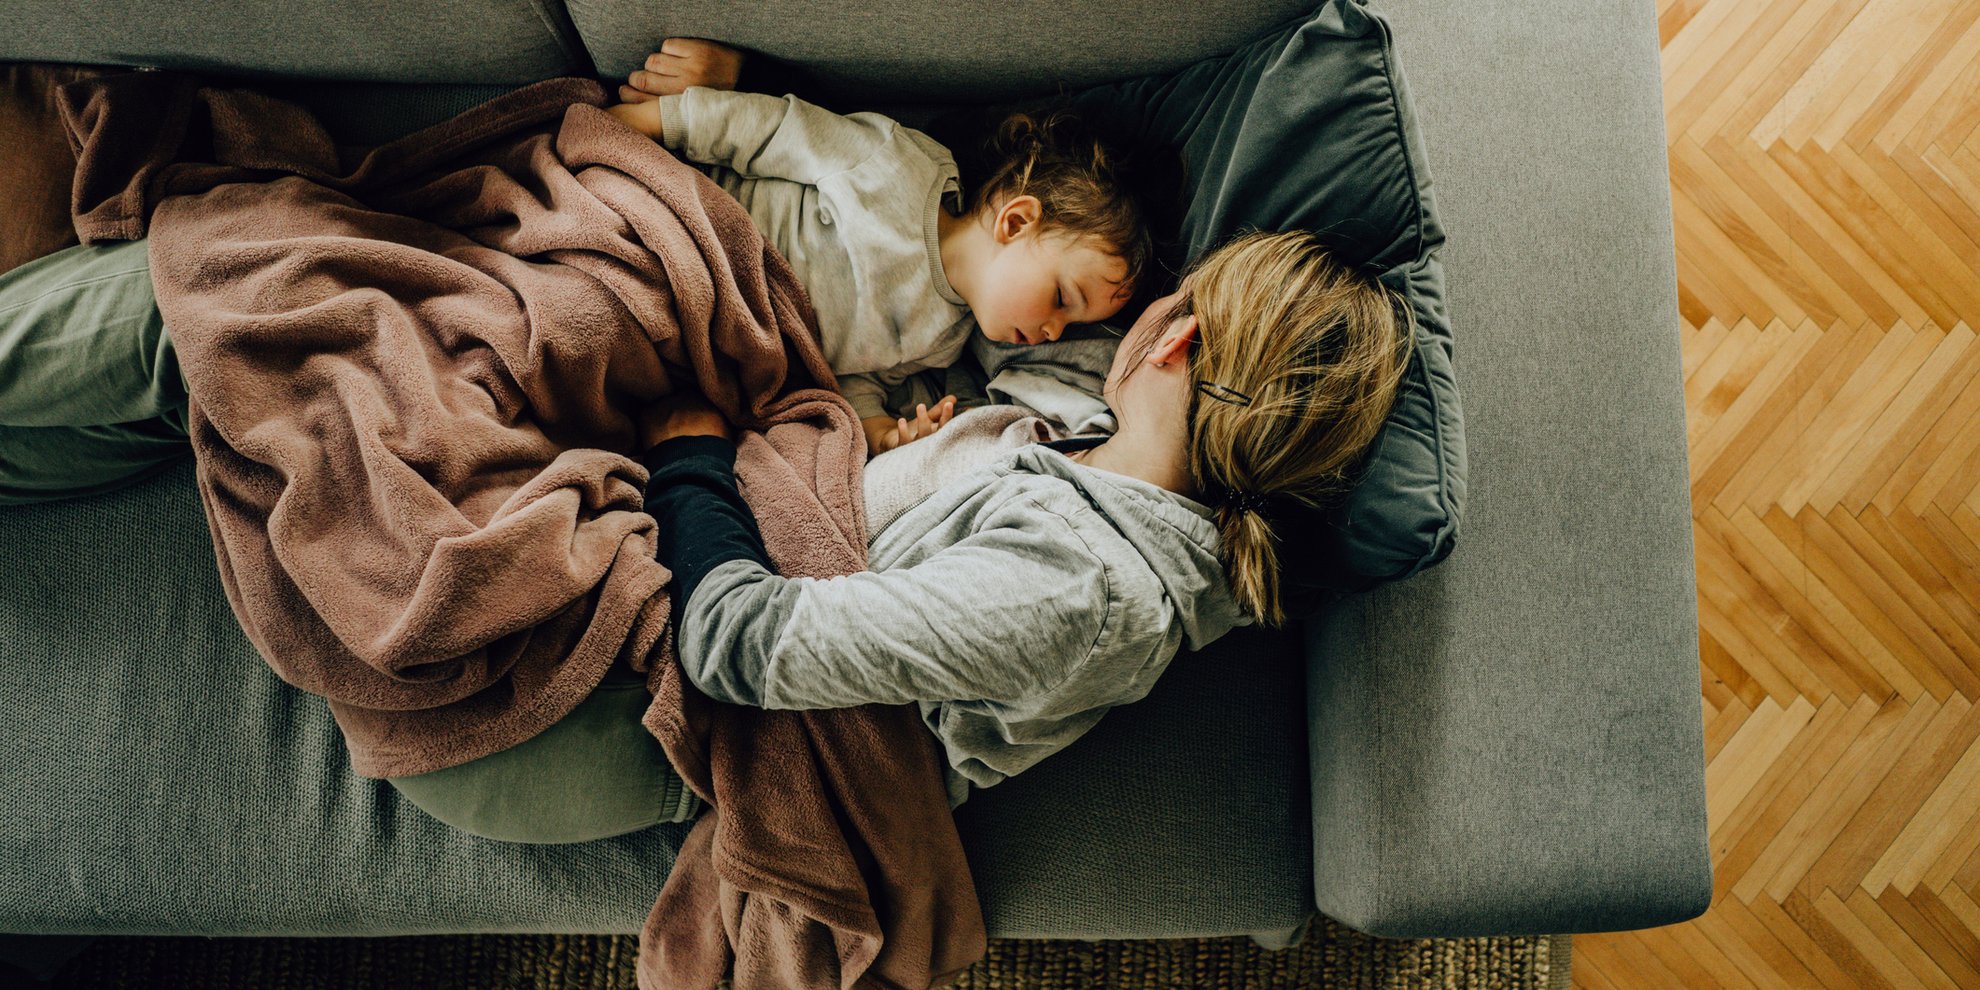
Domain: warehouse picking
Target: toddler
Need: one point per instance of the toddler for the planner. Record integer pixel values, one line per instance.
(871, 215)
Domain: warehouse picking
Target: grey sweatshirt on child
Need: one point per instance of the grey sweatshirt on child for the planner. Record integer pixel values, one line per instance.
(852, 203)
(1014, 593)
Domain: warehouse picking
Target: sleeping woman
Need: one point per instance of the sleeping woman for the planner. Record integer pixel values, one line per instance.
(1021, 583)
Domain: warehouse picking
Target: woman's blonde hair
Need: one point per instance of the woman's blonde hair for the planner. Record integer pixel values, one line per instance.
(1297, 365)
(1079, 180)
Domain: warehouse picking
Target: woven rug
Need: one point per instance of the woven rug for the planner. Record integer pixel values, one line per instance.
(1329, 956)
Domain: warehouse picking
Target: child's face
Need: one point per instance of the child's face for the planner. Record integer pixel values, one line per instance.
(1036, 282)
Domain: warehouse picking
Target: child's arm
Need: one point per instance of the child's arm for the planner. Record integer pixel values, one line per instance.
(679, 64)
(762, 136)
(685, 99)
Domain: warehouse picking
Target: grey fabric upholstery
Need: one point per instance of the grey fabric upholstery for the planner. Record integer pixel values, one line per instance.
(1183, 813)
(1511, 742)
(972, 51)
(161, 779)
(433, 41)
(373, 113)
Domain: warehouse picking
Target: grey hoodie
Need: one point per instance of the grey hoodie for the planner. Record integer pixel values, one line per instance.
(1014, 593)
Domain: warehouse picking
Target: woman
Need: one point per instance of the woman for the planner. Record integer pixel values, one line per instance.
(1020, 585)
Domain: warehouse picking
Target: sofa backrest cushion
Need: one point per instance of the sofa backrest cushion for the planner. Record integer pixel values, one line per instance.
(434, 41)
(966, 51)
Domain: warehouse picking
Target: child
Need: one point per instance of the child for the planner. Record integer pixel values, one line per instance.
(870, 214)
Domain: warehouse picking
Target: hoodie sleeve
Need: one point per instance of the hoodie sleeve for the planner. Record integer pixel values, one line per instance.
(762, 136)
(1001, 616)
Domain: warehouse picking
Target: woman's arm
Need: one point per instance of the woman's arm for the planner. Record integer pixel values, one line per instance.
(1001, 615)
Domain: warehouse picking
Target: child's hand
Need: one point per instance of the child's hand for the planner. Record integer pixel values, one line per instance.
(924, 423)
(882, 437)
(680, 63)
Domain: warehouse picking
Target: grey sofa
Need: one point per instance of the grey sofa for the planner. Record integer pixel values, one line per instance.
(1509, 742)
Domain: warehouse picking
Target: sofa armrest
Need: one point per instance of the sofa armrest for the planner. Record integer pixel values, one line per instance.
(1512, 741)
(1520, 777)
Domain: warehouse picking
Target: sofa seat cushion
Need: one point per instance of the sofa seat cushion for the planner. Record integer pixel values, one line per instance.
(161, 779)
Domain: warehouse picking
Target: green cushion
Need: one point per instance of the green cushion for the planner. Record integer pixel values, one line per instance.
(1310, 127)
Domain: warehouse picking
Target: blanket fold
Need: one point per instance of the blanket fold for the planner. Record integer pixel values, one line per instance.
(415, 372)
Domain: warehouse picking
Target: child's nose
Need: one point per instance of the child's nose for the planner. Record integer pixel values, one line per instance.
(1053, 328)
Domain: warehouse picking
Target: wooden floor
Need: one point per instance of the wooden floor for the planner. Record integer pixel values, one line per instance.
(1825, 180)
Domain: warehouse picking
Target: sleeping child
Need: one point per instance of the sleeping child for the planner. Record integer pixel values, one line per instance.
(872, 217)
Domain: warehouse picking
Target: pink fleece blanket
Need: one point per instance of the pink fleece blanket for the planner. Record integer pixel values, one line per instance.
(413, 374)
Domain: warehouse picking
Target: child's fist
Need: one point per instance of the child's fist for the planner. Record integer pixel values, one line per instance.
(680, 63)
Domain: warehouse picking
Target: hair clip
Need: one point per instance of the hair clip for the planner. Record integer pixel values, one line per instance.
(1223, 393)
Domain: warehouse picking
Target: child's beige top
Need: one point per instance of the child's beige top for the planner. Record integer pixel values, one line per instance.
(851, 202)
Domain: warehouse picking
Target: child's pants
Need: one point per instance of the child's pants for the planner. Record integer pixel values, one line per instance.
(91, 400)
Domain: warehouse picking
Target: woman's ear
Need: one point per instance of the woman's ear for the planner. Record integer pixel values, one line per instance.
(1175, 341)
(1015, 215)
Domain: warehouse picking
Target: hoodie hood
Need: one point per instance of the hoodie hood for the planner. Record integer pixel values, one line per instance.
(1175, 534)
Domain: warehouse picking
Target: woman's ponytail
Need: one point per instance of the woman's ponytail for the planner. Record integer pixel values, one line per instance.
(1251, 562)
(1298, 364)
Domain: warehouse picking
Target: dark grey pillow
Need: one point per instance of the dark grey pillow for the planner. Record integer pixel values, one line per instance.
(1310, 127)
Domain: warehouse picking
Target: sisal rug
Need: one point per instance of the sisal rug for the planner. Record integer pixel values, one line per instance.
(1329, 956)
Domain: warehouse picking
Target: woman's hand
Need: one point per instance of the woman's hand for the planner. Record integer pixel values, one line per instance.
(680, 63)
(681, 416)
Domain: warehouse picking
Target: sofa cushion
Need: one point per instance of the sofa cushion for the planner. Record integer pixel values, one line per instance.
(437, 41)
(162, 779)
(969, 51)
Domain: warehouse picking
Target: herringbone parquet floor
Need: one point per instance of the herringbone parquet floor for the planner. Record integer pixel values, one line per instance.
(1825, 180)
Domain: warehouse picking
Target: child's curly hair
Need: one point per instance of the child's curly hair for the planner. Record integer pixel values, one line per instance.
(1079, 181)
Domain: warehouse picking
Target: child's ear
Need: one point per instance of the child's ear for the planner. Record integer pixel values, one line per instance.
(1017, 213)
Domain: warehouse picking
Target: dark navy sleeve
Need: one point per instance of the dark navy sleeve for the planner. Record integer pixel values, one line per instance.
(704, 522)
